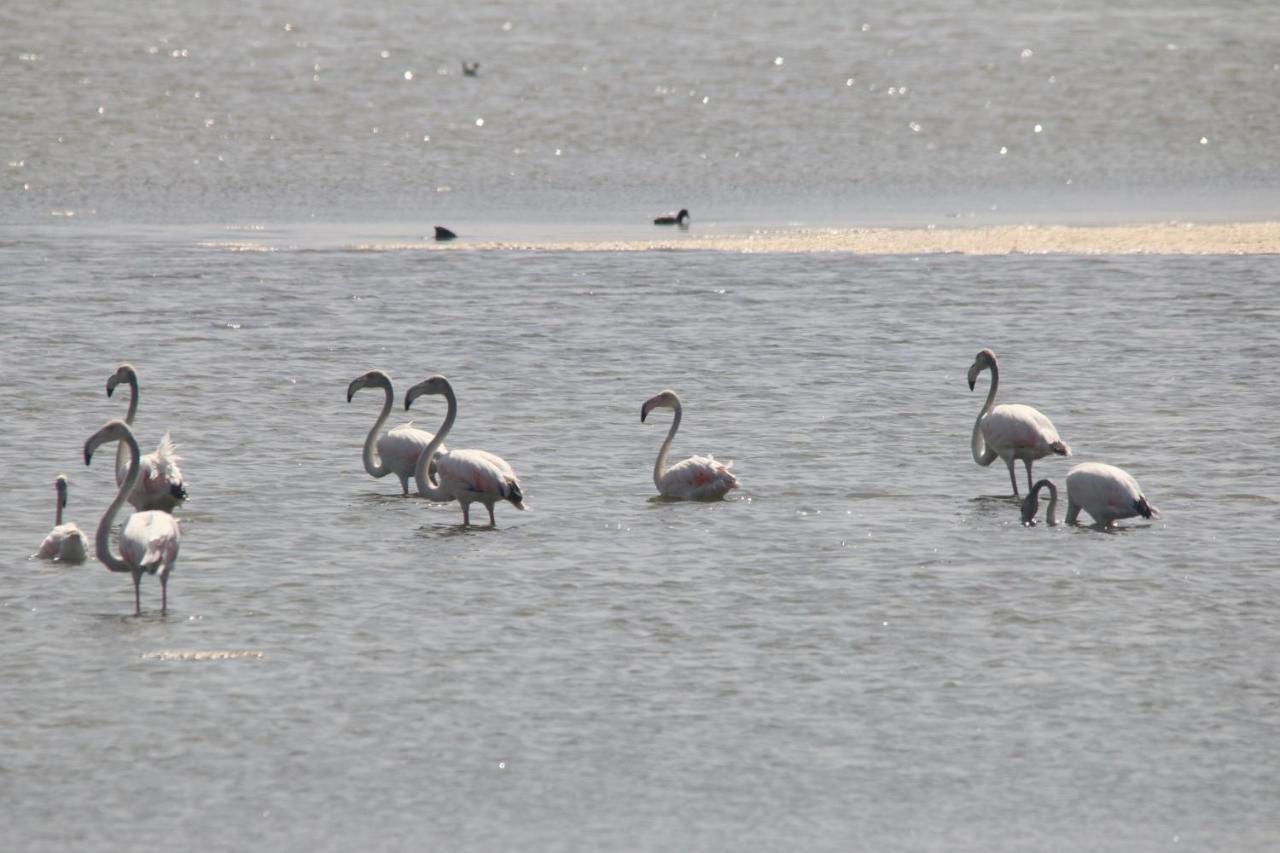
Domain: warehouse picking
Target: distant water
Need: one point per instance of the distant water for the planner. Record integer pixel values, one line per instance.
(862, 650)
(616, 110)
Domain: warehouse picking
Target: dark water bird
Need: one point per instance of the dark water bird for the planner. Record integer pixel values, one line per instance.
(149, 541)
(470, 69)
(681, 219)
(443, 233)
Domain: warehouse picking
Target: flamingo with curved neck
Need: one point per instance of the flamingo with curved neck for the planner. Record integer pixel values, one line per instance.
(65, 543)
(464, 475)
(698, 478)
(1031, 504)
(160, 486)
(398, 449)
(1010, 431)
(149, 541)
(1107, 493)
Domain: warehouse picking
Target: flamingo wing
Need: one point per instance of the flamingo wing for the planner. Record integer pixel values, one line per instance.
(698, 478)
(150, 541)
(65, 543)
(480, 473)
(1012, 428)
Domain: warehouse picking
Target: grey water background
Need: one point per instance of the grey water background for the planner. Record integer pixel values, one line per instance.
(862, 650)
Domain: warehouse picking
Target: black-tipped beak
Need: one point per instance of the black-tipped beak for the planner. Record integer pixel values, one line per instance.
(971, 383)
(644, 413)
(88, 454)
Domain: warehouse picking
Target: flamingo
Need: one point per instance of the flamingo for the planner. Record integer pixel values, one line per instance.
(160, 486)
(65, 543)
(398, 448)
(698, 478)
(1010, 431)
(1105, 492)
(1031, 504)
(149, 541)
(465, 475)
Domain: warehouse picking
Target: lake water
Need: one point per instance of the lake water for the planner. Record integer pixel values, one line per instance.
(861, 650)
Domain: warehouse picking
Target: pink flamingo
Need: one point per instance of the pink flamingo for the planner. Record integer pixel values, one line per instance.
(160, 486)
(398, 448)
(149, 541)
(465, 475)
(65, 543)
(1105, 492)
(1010, 431)
(698, 478)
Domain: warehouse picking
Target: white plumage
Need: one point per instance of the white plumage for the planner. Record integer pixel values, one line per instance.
(1107, 493)
(161, 486)
(1010, 431)
(150, 539)
(398, 448)
(466, 476)
(65, 543)
(698, 478)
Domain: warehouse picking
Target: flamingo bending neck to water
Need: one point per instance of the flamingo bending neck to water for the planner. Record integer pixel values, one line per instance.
(160, 486)
(149, 541)
(65, 543)
(465, 475)
(1010, 431)
(1031, 504)
(698, 478)
(398, 448)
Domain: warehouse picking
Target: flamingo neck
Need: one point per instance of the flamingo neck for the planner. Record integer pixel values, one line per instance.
(660, 466)
(981, 454)
(122, 453)
(103, 539)
(57, 516)
(425, 487)
(378, 467)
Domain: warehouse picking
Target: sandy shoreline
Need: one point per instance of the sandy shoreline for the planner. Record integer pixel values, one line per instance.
(1168, 238)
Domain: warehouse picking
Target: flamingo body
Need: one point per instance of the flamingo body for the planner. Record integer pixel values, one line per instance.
(398, 448)
(466, 476)
(65, 543)
(1010, 431)
(150, 539)
(161, 486)
(1107, 493)
(698, 478)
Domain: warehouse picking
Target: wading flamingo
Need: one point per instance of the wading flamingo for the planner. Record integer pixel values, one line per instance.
(1031, 504)
(1010, 431)
(65, 543)
(698, 478)
(149, 540)
(465, 475)
(160, 486)
(1105, 492)
(398, 448)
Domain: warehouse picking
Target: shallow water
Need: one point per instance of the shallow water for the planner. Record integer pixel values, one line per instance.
(862, 649)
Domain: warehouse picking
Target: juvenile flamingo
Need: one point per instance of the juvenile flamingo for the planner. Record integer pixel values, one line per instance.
(1010, 431)
(698, 478)
(465, 475)
(65, 543)
(398, 448)
(160, 486)
(149, 541)
(1105, 492)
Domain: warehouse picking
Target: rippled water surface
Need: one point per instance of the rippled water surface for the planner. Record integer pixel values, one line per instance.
(862, 649)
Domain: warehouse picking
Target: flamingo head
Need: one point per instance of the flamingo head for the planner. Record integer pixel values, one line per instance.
(111, 431)
(435, 385)
(1145, 509)
(666, 400)
(1031, 504)
(61, 485)
(984, 360)
(372, 379)
(124, 373)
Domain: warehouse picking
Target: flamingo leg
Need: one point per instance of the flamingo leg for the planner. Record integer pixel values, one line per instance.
(1027, 462)
(137, 594)
(164, 593)
(492, 523)
(466, 515)
(1013, 478)
(1073, 511)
